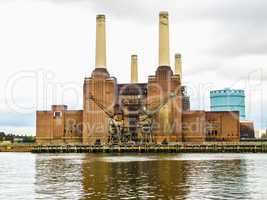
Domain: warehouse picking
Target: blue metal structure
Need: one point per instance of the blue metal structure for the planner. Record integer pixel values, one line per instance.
(228, 100)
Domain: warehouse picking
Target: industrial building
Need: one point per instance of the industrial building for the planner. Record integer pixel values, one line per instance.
(233, 100)
(228, 100)
(157, 111)
(247, 129)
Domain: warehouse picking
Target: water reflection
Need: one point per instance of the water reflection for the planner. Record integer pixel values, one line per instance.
(134, 179)
(162, 177)
(165, 176)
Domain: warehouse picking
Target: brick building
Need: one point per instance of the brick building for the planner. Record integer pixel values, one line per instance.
(162, 103)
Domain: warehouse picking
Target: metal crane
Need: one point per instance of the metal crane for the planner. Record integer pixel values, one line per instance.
(147, 118)
(117, 129)
(115, 121)
(158, 108)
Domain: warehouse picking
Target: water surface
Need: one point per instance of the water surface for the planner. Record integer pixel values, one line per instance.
(133, 176)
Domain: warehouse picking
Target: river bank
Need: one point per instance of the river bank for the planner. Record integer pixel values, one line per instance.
(17, 148)
(222, 147)
(242, 147)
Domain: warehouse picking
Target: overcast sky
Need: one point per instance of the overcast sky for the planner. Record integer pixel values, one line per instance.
(47, 48)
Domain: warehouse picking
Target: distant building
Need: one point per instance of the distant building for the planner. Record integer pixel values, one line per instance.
(228, 100)
(247, 129)
(261, 133)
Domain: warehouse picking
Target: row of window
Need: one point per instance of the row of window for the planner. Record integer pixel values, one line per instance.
(212, 132)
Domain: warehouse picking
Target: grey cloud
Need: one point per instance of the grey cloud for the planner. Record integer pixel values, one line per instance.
(240, 45)
(216, 10)
(242, 22)
(240, 39)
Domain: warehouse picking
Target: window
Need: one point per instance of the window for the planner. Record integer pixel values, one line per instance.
(57, 114)
(209, 132)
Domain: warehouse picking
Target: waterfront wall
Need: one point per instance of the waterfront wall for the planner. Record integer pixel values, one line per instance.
(16, 148)
(246, 147)
(206, 147)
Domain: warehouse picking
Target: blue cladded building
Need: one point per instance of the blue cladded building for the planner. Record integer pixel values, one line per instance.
(228, 100)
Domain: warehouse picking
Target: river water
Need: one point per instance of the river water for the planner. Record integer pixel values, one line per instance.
(133, 176)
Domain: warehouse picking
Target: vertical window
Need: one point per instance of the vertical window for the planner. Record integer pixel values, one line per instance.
(57, 114)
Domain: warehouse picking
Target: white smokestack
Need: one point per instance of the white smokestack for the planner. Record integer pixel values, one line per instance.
(178, 65)
(164, 58)
(100, 57)
(134, 69)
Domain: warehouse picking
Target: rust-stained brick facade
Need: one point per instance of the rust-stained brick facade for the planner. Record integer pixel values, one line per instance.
(247, 129)
(168, 119)
(200, 126)
(59, 125)
(95, 121)
(222, 126)
(193, 127)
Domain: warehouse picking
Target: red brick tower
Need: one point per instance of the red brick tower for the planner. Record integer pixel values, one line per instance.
(102, 87)
(168, 119)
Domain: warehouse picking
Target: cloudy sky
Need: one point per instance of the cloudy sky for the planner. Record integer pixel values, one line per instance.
(47, 48)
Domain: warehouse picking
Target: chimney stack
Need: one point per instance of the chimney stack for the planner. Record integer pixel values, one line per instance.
(164, 58)
(134, 69)
(100, 57)
(178, 65)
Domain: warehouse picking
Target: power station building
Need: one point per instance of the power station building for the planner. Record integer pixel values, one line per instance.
(157, 111)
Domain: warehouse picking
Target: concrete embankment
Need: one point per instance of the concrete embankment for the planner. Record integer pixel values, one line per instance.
(17, 148)
(241, 147)
(252, 147)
